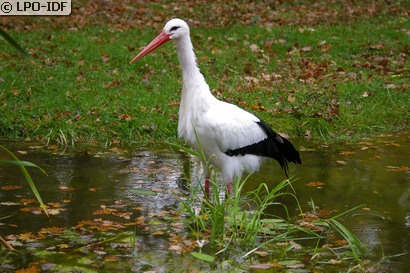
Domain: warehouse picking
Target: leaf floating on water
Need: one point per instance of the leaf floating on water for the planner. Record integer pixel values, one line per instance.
(144, 192)
(9, 204)
(11, 187)
(52, 230)
(203, 257)
(347, 153)
(26, 236)
(392, 143)
(398, 169)
(315, 184)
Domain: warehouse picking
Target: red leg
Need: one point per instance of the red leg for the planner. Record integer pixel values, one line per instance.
(207, 186)
(228, 188)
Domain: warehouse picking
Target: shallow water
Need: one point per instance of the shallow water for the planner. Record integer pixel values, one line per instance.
(373, 173)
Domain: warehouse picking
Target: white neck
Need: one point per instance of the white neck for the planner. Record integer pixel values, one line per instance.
(196, 96)
(187, 60)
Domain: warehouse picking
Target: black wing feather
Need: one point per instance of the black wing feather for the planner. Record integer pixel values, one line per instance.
(274, 146)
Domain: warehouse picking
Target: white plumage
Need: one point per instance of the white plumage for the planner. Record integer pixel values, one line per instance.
(233, 140)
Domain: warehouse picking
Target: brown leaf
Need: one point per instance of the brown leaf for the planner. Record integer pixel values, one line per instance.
(326, 48)
(26, 201)
(105, 57)
(398, 169)
(377, 47)
(112, 259)
(291, 98)
(11, 187)
(32, 269)
(26, 236)
(315, 184)
(125, 117)
(52, 230)
(347, 153)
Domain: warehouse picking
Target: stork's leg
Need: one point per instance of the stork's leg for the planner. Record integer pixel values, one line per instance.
(207, 182)
(228, 188)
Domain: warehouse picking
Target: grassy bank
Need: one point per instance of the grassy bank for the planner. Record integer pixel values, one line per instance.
(326, 80)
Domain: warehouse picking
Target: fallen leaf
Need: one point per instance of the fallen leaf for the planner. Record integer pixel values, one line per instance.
(105, 57)
(52, 230)
(379, 46)
(291, 98)
(398, 169)
(306, 49)
(326, 48)
(26, 236)
(315, 184)
(347, 153)
(26, 201)
(254, 48)
(32, 269)
(9, 204)
(11, 187)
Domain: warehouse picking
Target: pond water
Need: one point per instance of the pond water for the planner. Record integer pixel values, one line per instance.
(117, 187)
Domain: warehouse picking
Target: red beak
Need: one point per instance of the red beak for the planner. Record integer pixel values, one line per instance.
(159, 40)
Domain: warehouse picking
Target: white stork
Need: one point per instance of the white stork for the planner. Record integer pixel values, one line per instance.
(232, 139)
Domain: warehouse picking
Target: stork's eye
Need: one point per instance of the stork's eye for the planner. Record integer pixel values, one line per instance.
(174, 28)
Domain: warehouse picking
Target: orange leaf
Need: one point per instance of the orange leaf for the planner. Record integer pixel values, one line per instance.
(347, 153)
(326, 48)
(32, 269)
(315, 184)
(26, 236)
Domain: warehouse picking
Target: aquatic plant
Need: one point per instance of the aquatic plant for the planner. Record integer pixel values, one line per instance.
(256, 221)
(23, 164)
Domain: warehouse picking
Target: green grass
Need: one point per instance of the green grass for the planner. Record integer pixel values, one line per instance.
(244, 222)
(253, 223)
(82, 88)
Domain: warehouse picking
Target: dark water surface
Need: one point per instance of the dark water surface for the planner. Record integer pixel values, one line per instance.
(373, 173)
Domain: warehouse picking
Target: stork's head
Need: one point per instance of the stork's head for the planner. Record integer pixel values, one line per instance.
(176, 28)
(173, 30)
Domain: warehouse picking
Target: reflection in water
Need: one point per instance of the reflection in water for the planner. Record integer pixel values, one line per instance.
(373, 173)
